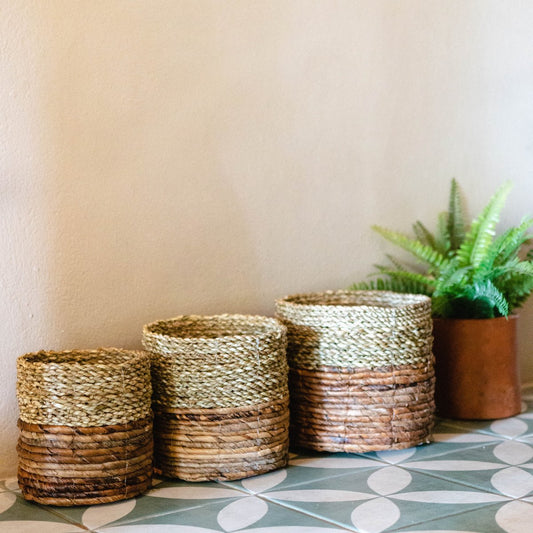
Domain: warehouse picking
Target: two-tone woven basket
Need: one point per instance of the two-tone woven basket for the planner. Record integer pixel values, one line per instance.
(220, 396)
(361, 369)
(85, 426)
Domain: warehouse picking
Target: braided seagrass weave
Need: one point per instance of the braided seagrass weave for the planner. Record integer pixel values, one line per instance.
(362, 375)
(220, 395)
(85, 426)
(84, 387)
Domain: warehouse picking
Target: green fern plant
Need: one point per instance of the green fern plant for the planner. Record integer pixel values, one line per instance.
(467, 270)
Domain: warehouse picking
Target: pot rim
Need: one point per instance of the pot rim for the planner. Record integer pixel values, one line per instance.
(512, 316)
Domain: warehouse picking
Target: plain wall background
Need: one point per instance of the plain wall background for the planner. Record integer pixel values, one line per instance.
(169, 157)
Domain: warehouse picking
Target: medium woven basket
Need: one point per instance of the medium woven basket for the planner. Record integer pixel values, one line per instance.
(85, 426)
(220, 400)
(361, 370)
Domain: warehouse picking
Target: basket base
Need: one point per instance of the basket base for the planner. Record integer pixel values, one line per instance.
(68, 466)
(222, 444)
(362, 410)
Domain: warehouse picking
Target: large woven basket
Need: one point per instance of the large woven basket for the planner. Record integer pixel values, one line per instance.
(220, 396)
(85, 426)
(361, 369)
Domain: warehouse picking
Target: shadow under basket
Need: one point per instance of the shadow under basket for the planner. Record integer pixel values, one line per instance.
(361, 370)
(221, 407)
(85, 424)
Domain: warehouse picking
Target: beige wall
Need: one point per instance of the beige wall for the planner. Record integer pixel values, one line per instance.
(168, 157)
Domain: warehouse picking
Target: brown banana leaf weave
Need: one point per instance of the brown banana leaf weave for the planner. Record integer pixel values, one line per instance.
(221, 408)
(361, 370)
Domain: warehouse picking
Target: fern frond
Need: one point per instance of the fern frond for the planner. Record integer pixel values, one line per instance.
(511, 268)
(525, 268)
(497, 271)
(506, 247)
(442, 237)
(441, 306)
(520, 290)
(362, 286)
(489, 294)
(455, 277)
(476, 244)
(478, 300)
(516, 284)
(511, 241)
(367, 285)
(423, 234)
(394, 285)
(420, 251)
(456, 223)
(397, 264)
(426, 284)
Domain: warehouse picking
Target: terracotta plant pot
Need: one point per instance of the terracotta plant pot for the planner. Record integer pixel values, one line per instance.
(476, 368)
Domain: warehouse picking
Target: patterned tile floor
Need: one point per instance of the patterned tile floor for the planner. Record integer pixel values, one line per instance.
(475, 477)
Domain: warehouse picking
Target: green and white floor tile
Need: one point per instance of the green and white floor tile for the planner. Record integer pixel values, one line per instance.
(475, 477)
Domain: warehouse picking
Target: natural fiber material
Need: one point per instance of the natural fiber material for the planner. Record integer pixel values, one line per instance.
(217, 361)
(84, 387)
(364, 410)
(356, 329)
(362, 373)
(220, 396)
(222, 443)
(86, 434)
(57, 466)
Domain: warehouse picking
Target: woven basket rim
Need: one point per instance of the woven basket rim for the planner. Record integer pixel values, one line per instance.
(234, 322)
(83, 357)
(388, 299)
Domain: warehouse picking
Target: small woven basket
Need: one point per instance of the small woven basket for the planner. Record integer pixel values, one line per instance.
(220, 400)
(361, 370)
(85, 426)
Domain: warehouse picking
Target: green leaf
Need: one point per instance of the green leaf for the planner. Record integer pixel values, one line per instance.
(455, 277)
(456, 223)
(476, 244)
(391, 284)
(478, 300)
(420, 280)
(488, 293)
(397, 264)
(441, 306)
(424, 235)
(509, 244)
(516, 284)
(420, 251)
(442, 239)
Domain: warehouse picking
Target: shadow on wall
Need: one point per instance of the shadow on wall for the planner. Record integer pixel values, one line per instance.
(525, 340)
(144, 229)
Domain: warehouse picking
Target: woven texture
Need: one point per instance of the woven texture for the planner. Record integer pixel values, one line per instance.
(86, 434)
(362, 370)
(217, 361)
(220, 396)
(84, 387)
(66, 466)
(357, 329)
(222, 444)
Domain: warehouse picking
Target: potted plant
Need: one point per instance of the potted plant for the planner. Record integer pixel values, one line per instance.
(476, 280)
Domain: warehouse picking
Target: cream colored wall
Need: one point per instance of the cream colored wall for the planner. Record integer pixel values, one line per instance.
(167, 157)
